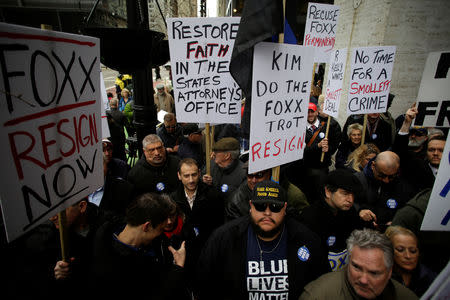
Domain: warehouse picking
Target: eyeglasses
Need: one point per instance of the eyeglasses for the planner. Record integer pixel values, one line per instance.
(272, 206)
(382, 175)
(258, 175)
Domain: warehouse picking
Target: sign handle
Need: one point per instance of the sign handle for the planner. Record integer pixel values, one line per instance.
(208, 149)
(364, 130)
(276, 170)
(326, 136)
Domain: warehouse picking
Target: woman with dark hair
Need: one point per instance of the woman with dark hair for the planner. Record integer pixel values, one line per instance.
(407, 268)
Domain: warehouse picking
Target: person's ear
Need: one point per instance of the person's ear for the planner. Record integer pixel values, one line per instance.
(83, 206)
(147, 226)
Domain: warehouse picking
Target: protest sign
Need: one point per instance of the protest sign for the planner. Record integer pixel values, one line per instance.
(281, 87)
(437, 215)
(433, 99)
(335, 79)
(320, 29)
(50, 123)
(370, 79)
(200, 52)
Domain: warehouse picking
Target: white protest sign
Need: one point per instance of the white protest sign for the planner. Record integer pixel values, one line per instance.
(335, 79)
(50, 123)
(370, 79)
(280, 96)
(437, 215)
(105, 127)
(433, 100)
(320, 29)
(200, 53)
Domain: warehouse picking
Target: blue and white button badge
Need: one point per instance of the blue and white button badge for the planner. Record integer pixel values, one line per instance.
(391, 203)
(160, 186)
(321, 135)
(224, 188)
(331, 240)
(303, 253)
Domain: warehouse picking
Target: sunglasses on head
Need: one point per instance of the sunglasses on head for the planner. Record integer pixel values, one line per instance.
(272, 206)
(258, 175)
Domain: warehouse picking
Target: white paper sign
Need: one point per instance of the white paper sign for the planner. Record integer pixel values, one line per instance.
(437, 216)
(370, 79)
(51, 154)
(320, 29)
(200, 53)
(335, 79)
(433, 100)
(280, 97)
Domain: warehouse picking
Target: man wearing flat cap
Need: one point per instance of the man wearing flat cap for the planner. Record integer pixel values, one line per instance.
(333, 217)
(265, 255)
(227, 171)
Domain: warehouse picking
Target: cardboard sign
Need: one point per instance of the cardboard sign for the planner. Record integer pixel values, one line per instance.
(281, 87)
(51, 154)
(370, 79)
(335, 79)
(437, 216)
(433, 100)
(200, 53)
(320, 29)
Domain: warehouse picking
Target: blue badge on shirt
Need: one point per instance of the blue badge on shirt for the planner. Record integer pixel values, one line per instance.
(160, 186)
(197, 232)
(331, 240)
(391, 203)
(321, 135)
(303, 253)
(374, 136)
(224, 188)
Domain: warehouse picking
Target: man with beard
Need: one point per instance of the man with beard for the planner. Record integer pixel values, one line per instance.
(266, 255)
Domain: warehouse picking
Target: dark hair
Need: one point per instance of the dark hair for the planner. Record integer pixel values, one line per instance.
(148, 207)
(437, 138)
(187, 161)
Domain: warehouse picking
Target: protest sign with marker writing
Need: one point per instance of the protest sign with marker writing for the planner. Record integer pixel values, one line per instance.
(280, 96)
(200, 52)
(335, 80)
(370, 79)
(50, 123)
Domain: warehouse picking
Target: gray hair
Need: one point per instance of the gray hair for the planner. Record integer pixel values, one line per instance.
(354, 126)
(151, 139)
(114, 102)
(371, 239)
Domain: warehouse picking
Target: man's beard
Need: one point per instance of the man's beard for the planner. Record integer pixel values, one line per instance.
(265, 234)
(413, 143)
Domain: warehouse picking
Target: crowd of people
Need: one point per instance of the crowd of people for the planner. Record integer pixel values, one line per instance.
(341, 223)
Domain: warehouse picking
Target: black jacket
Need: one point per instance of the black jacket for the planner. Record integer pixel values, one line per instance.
(221, 270)
(227, 180)
(147, 178)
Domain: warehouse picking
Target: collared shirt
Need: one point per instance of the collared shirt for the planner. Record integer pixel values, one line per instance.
(316, 123)
(191, 199)
(96, 197)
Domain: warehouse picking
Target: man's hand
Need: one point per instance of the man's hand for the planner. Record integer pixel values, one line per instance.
(410, 115)
(62, 269)
(367, 215)
(323, 144)
(179, 256)
(207, 179)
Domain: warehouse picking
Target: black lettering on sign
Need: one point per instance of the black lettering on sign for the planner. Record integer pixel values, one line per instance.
(443, 65)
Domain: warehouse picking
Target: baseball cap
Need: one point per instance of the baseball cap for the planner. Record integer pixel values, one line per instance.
(107, 141)
(227, 144)
(268, 191)
(312, 106)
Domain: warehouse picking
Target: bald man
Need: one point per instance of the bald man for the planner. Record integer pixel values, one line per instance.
(384, 192)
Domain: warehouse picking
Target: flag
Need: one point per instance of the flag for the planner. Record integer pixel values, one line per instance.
(261, 20)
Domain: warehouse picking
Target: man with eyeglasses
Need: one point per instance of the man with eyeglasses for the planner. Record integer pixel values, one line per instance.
(155, 171)
(239, 206)
(384, 192)
(171, 133)
(266, 255)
